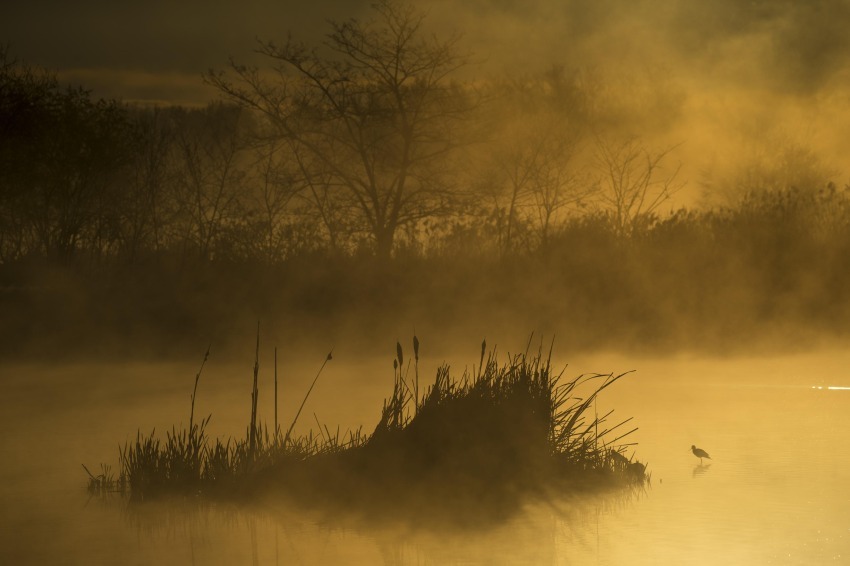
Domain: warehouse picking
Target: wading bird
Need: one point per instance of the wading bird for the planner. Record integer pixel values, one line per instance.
(699, 453)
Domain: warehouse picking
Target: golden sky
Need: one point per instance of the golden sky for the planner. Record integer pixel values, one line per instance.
(738, 75)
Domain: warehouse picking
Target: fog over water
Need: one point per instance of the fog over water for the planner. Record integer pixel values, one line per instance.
(658, 188)
(774, 491)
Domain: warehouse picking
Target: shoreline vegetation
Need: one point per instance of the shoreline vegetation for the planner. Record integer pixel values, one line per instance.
(769, 274)
(320, 191)
(465, 449)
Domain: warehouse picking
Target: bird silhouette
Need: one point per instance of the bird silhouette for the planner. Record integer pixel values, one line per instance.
(699, 453)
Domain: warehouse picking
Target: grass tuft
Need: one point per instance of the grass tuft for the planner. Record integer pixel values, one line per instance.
(486, 440)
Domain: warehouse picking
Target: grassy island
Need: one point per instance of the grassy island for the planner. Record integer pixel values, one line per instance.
(483, 442)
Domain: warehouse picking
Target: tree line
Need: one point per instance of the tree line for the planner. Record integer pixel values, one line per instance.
(370, 172)
(371, 142)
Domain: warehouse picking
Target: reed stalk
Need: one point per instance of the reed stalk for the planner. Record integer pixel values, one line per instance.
(252, 433)
(503, 429)
(195, 388)
(304, 401)
(276, 426)
(416, 373)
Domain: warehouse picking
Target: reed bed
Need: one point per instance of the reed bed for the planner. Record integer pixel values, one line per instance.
(484, 441)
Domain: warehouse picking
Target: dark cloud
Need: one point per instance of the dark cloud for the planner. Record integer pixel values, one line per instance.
(154, 50)
(785, 45)
(156, 35)
(795, 46)
(813, 45)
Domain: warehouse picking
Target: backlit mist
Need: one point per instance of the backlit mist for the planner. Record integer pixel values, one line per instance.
(348, 282)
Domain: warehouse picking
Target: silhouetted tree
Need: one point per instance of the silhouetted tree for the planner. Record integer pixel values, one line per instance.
(373, 115)
(533, 128)
(62, 157)
(147, 199)
(633, 182)
(768, 161)
(210, 173)
(277, 186)
(532, 176)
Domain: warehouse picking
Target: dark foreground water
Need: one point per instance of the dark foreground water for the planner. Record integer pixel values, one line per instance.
(777, 490)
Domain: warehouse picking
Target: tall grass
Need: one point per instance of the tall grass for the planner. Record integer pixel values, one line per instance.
(512, 427)
(487, 438)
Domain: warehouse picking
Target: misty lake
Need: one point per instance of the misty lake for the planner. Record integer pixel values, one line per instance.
(777, 490)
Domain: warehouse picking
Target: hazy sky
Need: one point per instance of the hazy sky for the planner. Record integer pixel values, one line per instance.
(721, 78)
(152, 49)
(158, 49)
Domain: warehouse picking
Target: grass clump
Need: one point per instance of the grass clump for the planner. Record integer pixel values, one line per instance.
(483, 442)
(479, 444)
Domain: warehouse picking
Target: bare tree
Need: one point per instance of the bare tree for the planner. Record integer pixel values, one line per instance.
(633, 182)
(62, 157)
(559, 185)
(768, 159)
(530, 172)
(145, 203)
(279, 188)
(209, 176)
(373, 112)
(512, 174)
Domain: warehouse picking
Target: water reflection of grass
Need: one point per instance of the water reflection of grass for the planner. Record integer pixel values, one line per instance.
(480, 443)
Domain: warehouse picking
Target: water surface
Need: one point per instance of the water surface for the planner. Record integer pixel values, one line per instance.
(777, 490)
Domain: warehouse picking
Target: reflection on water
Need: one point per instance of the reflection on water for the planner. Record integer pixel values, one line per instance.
(700, 469)
(190, 532)
(776, 493)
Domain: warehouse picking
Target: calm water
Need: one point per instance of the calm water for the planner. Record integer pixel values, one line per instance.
(776, 492)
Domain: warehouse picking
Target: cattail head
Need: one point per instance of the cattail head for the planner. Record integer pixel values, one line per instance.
(400, 355)
(416, 347)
